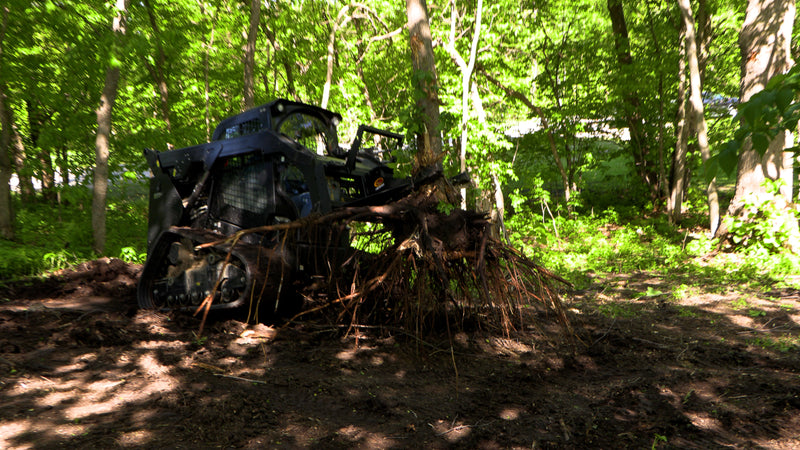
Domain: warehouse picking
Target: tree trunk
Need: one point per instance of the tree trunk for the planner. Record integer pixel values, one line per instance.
(516, 95)
(44, 169)
(208, 45)
(361, 46)
(326, 89)
(24, 173)
(697, 110)
(157, 72)
(633, 118)
(764, 42)
(467, 68)
(498, 212)
(250, 55)
(429, 140)
(104, 113)
(6, 121)
(678, 178)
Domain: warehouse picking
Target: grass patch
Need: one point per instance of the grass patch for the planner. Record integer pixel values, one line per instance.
(610, 243)
(617, 310)
(782, 344)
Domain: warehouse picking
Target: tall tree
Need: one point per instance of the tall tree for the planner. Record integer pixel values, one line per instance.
(467, 68)
(158, 70)
(630, 96)
(765, 45)
(249, 55)
(6, 126)
(679, 179)
(104, 114)
(429, 139)
(698, 122)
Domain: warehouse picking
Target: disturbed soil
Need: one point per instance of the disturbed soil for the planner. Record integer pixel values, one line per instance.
(653, 364)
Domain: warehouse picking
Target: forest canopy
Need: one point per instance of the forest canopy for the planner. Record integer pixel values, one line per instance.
(564, 108)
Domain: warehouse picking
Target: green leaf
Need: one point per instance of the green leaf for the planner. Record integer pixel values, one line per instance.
(775, 81)
(741, 134)
(784, 98)
(750, 111)
(729, 156)
(711, 169)
(760, 142)
(114, 62)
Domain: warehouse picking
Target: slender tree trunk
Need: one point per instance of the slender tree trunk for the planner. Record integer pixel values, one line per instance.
(24, 173)
(6, 126)
(639, 144)
(208, 45)
(44, 168)
(678, 180)
(339, 22)
(764, 42)
(250, 55)
(6, 209)
(467, 69)
(697, 110)
(287, 67)
(429, 140)
(158, 71)
(497, 215)
(516, 95)
(104, 114)
(361, 46)
(63, 167)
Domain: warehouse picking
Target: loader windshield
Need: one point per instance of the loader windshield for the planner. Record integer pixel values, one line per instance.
(308, 131)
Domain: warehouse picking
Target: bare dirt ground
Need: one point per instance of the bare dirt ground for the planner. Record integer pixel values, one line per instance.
(657, 365)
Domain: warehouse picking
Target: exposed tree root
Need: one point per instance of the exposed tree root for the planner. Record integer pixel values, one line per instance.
(418, 268)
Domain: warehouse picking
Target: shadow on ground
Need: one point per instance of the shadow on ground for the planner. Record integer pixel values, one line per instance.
(706, 371)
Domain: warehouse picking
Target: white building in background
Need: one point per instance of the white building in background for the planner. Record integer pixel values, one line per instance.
(600, 129)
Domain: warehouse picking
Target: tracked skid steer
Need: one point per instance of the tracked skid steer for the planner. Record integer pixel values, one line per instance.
(271, 165)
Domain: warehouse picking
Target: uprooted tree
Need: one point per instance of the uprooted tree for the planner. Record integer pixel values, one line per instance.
(420, 268)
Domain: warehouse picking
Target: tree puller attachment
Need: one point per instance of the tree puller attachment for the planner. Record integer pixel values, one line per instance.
(270, 165)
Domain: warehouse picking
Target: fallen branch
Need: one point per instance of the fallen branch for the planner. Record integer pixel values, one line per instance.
(249, 380)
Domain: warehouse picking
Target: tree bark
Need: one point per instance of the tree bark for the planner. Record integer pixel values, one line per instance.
(6, 126)
(429, 140)
(104, 114)
(633, 118)
(467, 68)
(679, 175)
(516, 95)
(764, 42)
(361, 46)
(697, 110)
(208, 45)
(250, 55)
(337, 23)
(37, 120)
(158, 71)
(497, 215)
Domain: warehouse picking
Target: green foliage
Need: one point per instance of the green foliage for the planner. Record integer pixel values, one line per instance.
(782, 344)
(52, 238)
(618, 310)
(701, 245)
(131, 255)
(559, 56)
(770, 111)
(609, 242)
(765, 227)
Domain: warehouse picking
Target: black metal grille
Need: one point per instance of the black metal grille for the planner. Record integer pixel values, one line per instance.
(244, 184)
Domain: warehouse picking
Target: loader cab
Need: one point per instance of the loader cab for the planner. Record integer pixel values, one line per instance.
(311, 127)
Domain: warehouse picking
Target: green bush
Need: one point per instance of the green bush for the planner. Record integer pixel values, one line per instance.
(52, 236)
(765, 227)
